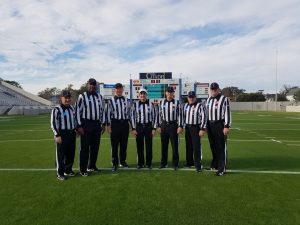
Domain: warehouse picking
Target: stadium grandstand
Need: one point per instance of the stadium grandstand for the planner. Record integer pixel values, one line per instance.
(16, 101)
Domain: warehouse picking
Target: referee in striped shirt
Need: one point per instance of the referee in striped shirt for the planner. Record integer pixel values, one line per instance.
(90, 117)
(118, 118)
(63, 127)
(170, 123)
(219, 121)
(143, 120)
(194, 118)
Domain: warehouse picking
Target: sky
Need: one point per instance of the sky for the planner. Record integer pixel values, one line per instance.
(59, 42)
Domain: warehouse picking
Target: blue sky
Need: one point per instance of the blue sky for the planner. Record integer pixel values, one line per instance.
(55, 43)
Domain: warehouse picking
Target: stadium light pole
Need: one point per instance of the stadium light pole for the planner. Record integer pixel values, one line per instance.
(276, 78)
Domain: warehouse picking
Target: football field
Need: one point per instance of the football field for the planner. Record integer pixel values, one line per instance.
(262, 185)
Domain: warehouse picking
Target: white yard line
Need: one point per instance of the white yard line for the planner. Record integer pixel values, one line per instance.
(276, 129)
(166, 169)
(276, 141)
(293, 144)
(293, 118)
(106, 138)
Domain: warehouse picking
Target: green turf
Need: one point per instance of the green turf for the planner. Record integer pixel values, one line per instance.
(155, 197)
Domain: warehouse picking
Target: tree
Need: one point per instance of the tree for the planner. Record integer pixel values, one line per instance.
(251, 97)
(281, 97)
(48, 93)
(232, 92)
(286, 88)
(13, 83)
(297, 96)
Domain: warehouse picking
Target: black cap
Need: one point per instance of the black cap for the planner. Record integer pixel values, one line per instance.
(170, 89)
(191, 94)
(65, 93)
(118, 85)
(92, 81)
(214, 85)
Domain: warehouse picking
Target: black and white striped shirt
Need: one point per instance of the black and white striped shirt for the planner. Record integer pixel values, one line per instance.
(90, 106)
(62, 118)
(218, 109)
(143, 112)
(194, 114)
(170, 111)
(118, 108)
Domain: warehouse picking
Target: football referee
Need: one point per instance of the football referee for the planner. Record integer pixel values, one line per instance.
(170, 123)
(219, 121)
(143, 120)
(63, 127)
(195, 120)
(90, 117)
(118, 115)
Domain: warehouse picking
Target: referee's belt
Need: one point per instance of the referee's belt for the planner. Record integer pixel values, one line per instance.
(192, 125)
(170, 122)
(119, 121)
(216, 121)
(144, 124)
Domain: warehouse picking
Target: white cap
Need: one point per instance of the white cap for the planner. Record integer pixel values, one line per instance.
(143, 90)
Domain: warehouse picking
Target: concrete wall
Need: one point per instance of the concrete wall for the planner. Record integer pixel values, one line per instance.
(259, 106)
(29, 110)
(293, 108)
(3, 109)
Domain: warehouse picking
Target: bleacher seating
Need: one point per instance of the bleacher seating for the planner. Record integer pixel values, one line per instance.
(12, 97)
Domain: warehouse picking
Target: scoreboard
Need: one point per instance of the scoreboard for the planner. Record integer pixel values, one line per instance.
(156, 85)
(108, 90)
(156, 88)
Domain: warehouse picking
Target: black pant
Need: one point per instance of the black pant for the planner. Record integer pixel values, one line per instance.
(65, 152)
(119, 136)
(193, 146)
(218, 145)
(169, 132)
(144, 132)
(89, 144)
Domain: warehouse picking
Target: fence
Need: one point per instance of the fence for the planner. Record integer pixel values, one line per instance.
(259, 106)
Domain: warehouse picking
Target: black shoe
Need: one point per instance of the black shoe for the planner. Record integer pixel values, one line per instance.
(140, 167)
(163, 166)
(62, 178)
(220, 173)
(70, 174)
(93, 169)
(114, 168)
(199, 169)
(84, 174)
(124, 165)
(149, 167)
(176, 168)
(187, 166)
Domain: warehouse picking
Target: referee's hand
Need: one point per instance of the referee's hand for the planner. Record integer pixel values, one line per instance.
(103, 129)
(109, 129)
(80, 131)
(226, 131)
(201, 133)
(134, 133)
(179, 130)
(58, 140)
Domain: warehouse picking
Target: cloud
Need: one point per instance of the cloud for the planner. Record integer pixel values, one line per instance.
(55, 43)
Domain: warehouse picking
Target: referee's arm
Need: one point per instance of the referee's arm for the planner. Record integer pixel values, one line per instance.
(55, 122)
(154, 116)
(180, 115)
(227, 114)
(78, 110)
(108, 112)
(202, 117)
(133, 116)
(103, 111)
